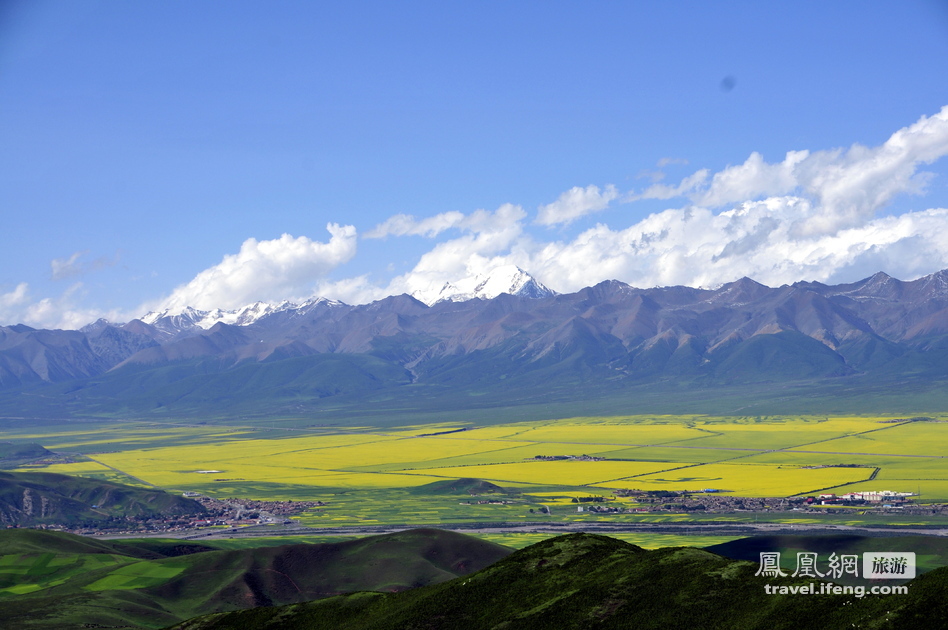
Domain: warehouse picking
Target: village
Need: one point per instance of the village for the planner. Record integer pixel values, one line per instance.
(239, 513)
(712, 500)
(218, 513)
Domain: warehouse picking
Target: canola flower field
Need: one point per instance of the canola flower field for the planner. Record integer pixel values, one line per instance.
(749, 456)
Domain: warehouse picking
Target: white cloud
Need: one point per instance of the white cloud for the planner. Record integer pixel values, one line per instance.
(846, 187)
(489, 236)
(751, 180)
(406, 224)
(575, 203)
(357, 290)
(63, 268)
(64, 311)
(668, 161)
(665, 191)
(695, 247)
(16, 297)
(812, 216)
(266, 270)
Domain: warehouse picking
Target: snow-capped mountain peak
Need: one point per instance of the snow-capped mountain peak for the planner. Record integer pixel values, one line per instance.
(179, 320)
(504, 279)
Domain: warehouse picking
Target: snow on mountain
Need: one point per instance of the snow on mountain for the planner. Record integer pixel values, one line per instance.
(504, 279)
(188, 317)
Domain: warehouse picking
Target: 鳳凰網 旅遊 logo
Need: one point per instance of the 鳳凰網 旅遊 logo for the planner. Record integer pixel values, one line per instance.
(890, 565)
(887, 565)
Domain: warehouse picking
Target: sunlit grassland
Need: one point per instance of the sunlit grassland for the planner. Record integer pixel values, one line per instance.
(138, 575)
(26, 573)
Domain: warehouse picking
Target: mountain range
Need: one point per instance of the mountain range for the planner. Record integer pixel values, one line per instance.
(479, 340)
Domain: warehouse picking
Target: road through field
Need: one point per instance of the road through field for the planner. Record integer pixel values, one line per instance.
(601, 527)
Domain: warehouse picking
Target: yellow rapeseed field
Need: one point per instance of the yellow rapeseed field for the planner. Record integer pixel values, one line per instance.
(751, 480)
(753, 456)
(557, 472)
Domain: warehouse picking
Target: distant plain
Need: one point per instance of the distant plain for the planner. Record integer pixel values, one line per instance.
(371, 475)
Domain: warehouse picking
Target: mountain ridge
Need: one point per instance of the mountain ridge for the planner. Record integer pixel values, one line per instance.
(609, 335)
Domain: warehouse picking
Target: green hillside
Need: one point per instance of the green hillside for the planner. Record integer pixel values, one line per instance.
(15, 455)
(587, 581)
(458, 487)
(53, 580)
(37, 498)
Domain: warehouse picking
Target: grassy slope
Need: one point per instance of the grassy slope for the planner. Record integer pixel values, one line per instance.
(459, 487)
(588, 581)
(31, 541)
(14, 455)
(54, 498)
(156, 583)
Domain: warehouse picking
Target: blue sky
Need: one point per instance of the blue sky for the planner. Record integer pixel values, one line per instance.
(157, 154)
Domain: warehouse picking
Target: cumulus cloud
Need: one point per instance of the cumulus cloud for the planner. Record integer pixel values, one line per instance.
(488, 239)
(471, 254)
(64, 311)
(16, 297)
(813, 215)
(266, 270)
(575, 203)
(698, 248)
(752, 179)
(846, 187)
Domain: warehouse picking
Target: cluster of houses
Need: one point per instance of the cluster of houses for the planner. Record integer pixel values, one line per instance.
(217, 513)
(887, 497)
(712, 500)
(578, 458)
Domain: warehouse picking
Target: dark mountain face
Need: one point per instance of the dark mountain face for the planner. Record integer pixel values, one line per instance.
(610, 333)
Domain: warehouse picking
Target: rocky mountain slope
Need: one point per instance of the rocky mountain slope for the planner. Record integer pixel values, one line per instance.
(610, 333)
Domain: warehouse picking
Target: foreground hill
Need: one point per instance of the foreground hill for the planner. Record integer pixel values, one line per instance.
(58, 581)
(37, 498)
(587, 581)
(879, 334)
(16, 455)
